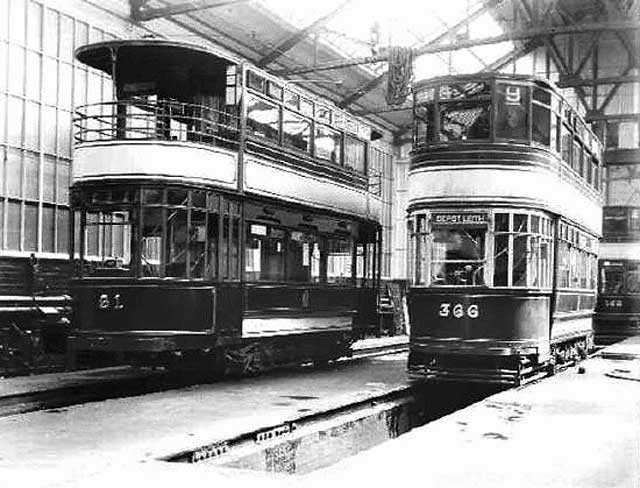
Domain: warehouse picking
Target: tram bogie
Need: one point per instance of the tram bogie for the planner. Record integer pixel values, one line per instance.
(504, 221)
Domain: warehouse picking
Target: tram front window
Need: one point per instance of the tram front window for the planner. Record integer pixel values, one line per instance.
(457, 256)
(464, 121)
(612, 279)
(107, 243)
(512, 120)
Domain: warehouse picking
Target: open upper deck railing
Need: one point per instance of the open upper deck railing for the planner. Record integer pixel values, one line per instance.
(157, 120)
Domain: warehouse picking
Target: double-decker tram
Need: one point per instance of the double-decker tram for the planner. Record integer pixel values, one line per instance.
(618, 306)
(504, 219)
(220, 213)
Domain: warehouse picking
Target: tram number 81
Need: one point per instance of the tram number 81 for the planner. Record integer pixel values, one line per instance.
(458, 310)
(106, 302)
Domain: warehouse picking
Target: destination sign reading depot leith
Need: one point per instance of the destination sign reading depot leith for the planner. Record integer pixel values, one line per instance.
(459, 218)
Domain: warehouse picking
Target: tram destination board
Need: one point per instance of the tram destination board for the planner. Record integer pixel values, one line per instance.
(456, 219)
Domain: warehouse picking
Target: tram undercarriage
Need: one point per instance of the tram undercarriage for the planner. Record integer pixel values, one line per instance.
(209, 356)
(512, 369)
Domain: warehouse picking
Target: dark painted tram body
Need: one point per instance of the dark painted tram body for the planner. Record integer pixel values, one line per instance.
(618, 307)
(504, 218)
(221, 213)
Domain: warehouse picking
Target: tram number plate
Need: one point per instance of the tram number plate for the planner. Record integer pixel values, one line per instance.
(458, 310)
(107, 302)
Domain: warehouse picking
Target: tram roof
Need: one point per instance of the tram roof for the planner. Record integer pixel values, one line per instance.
(99, 55)
(487, 75)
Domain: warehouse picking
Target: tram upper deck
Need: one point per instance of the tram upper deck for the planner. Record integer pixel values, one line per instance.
(493, 138)
(187, 114)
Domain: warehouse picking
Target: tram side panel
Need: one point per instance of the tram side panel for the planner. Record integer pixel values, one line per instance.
(477, 335)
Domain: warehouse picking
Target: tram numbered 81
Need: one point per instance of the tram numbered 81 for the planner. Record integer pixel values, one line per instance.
(223, 218)
(503, 225)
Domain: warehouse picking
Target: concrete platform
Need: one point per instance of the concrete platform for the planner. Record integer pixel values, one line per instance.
(571, 430)
(627, 349)
(68, 446)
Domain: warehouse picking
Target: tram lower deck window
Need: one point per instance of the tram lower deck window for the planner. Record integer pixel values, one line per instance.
(107, 240)
(633, 279)
(285, 254)
(611, 279)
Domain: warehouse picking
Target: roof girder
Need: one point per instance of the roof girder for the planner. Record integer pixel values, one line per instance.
(298, 36)
(367, 87)
(141, 13)
(509, 36)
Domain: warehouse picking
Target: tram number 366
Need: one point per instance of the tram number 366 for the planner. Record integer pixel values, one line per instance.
(113, 302)
(458, 310)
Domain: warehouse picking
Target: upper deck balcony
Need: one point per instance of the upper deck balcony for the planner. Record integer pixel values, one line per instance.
(170, 116)
(152, 119)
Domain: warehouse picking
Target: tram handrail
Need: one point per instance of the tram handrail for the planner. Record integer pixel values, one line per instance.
(161, 120)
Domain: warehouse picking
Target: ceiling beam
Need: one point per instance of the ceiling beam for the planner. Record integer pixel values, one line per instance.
(574, 80)
(516, 53)
(454, 46)
(141, 13)
(598, 115)
(298, 36)
(370, 85)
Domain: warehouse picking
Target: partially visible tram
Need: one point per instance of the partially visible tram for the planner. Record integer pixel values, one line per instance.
(504, 219)
(220, 215)
(618, 306)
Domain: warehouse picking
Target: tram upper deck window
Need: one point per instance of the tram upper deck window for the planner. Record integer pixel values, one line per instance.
(424, 116)
(512, 105)
(355, 154)
(263, 118)
(465, 111)
(296, 131)
(323, 114)
(541, 116)
(306, 107)
(291, 99)
(457, 249)
(328, 144)
(256, 82)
